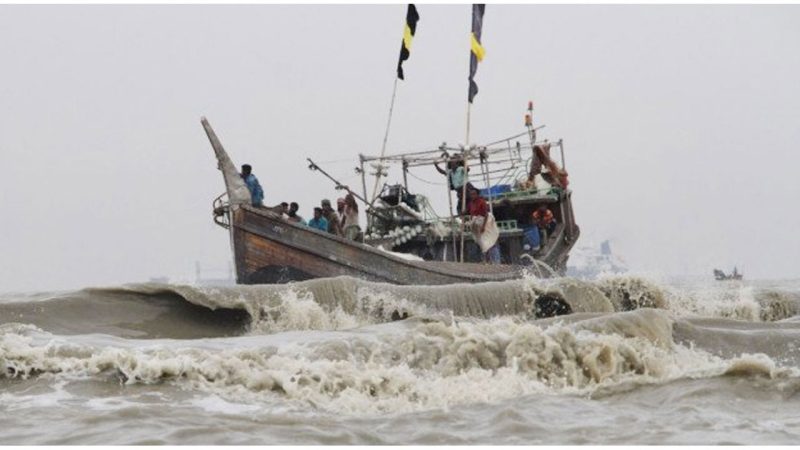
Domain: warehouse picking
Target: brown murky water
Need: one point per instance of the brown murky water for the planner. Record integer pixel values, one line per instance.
(324, 362)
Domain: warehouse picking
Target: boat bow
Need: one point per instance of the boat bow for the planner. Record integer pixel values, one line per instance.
(238, 194)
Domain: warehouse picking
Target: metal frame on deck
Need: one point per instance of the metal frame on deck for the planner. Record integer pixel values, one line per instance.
(499, 162)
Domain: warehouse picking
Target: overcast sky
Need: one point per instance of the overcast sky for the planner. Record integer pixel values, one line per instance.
(681, 124)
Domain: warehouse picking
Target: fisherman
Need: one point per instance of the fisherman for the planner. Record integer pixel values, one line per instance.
(334, 227)
(256, 193)
(292, 213)
(319, 222)
(484, 227)
(544, 219)
(456, 178)
(350, 227)
(340, 206)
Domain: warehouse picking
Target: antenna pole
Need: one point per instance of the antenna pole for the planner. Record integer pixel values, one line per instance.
(313, 166)
(364, 187)
(452, 216)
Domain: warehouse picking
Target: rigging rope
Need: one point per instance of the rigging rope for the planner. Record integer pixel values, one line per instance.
(433, 183)
(385, 136)
(337, 161)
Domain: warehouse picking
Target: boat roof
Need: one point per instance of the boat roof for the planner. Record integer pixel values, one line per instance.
(506, 148)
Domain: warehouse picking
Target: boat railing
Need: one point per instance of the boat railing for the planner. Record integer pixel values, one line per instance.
(220, 207)
(501, 162)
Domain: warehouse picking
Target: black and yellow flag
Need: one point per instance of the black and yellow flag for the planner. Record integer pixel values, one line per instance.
(405, 48)
(476, 49)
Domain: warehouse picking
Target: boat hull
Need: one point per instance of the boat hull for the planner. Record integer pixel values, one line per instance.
(268, 250)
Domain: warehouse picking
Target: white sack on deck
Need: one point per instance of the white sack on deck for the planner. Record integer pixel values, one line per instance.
(489, 236)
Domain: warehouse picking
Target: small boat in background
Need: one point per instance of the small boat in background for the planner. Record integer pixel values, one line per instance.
(722, 276)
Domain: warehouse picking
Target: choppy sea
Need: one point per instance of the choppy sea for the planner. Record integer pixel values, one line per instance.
(343, 361)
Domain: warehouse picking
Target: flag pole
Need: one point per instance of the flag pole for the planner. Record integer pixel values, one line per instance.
(385, 139)
(405, 48)
(475, 56)
(465, 160)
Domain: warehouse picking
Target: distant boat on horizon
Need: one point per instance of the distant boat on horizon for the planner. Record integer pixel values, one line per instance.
(722, 276)
(591, 261)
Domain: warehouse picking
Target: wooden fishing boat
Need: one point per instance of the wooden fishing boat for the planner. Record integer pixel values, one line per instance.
(269, 249)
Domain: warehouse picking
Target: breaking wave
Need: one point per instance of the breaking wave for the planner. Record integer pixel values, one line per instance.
(745, 303)
(346, 345)
(178, 311)
(418, 365)
(190, 312)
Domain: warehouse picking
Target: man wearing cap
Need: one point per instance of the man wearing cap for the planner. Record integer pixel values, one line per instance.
(333, 219)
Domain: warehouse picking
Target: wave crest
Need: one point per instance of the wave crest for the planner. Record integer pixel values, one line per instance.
(419, 366)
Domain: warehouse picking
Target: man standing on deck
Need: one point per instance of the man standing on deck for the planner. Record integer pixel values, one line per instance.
(484, 227)
(456, 177)
(256, 193)
(330, 215)
(350, 227)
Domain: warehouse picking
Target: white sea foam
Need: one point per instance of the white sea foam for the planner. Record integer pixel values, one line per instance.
(217, 405)
(430, 365)
(733, 301)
